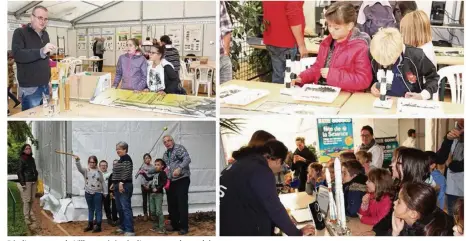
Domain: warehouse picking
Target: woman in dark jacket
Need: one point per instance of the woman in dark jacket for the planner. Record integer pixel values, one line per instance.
(27, 175)
(249, 204)
(161, 75)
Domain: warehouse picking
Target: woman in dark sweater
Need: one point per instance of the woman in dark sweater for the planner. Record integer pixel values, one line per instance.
(123, 185)
(249, 204)
(161, 74)
(27, 175)
(171, 54)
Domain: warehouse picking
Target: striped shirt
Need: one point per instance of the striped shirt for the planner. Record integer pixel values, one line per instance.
(226, 26)
(172, 56)
(123, 170)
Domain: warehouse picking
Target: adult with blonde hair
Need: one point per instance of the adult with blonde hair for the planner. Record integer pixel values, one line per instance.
(416, 31)
(414, 75)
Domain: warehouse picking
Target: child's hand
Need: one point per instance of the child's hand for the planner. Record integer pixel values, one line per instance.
(365, 199)
(298, 80)
(146, 90)
(360, 216)
(397, 225)
(374, 91)
(324, 72)
(411, 95)
(76, 157)
(154, 190)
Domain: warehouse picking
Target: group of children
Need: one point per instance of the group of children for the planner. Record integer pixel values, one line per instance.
(99, 191)
(408, 199)
(350, 58)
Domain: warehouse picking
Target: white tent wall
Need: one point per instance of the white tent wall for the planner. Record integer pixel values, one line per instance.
(99, 138)
(53, 28)
(128, 14)
(286, 129)
(51, 167)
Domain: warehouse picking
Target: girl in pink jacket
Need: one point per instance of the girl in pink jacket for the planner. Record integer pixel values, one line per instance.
(378, 200)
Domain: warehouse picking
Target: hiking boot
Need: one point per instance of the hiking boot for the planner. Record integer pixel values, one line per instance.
(90, 227)
(183, 232)
(162, 231)
(97, 229)
(119, 231)
(110, 222)
(130, 234)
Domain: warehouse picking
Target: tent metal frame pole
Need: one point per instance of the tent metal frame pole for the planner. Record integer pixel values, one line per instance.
(24, 9)
(95, 5)
(95, 11)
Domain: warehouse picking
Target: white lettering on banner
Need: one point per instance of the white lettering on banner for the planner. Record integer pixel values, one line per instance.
(222, 193)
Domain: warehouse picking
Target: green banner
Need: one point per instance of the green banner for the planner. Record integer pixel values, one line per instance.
(389, 144)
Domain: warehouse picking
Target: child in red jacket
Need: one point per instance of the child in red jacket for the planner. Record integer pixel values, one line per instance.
(343, 59)
(377, 202)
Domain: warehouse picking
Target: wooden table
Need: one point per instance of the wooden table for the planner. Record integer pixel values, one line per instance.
(195, 64)
(362, 104)
(449, 60)
(274, 96)
(300, 200)
(88, 110)
(311, 46)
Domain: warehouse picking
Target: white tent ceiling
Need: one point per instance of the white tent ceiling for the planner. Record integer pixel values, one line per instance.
(58, 10)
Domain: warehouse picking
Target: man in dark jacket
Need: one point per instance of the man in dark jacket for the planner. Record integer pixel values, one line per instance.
(177, 159)
(249, 204)
(302, 158)
(31, 49)
(451, 153)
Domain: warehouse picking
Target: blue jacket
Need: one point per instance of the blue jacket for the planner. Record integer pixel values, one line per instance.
(439, 179)
(353, 193)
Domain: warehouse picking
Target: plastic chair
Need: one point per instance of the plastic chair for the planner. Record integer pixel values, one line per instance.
(185, 75)
(454, 76)
(94, 64)
(78, 66)
(204, 75)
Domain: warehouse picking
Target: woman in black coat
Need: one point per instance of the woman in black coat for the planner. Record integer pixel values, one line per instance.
(27, 175)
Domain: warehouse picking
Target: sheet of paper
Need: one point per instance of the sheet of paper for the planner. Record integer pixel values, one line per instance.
(411, 107)
(317, 93)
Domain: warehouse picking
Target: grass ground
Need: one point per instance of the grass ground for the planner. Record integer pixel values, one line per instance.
(19, 227)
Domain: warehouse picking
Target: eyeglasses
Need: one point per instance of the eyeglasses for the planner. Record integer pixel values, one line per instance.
(153, 53)
(42, 19)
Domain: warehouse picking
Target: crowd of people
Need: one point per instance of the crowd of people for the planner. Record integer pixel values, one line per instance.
(113, 190)
(133, 72)
(414, 197)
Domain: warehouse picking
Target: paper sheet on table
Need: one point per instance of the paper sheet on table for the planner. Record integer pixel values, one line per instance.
(317, 93)
(241, 97)
(302, 215)
(422, 108)
(295, 201)
(296, 109)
